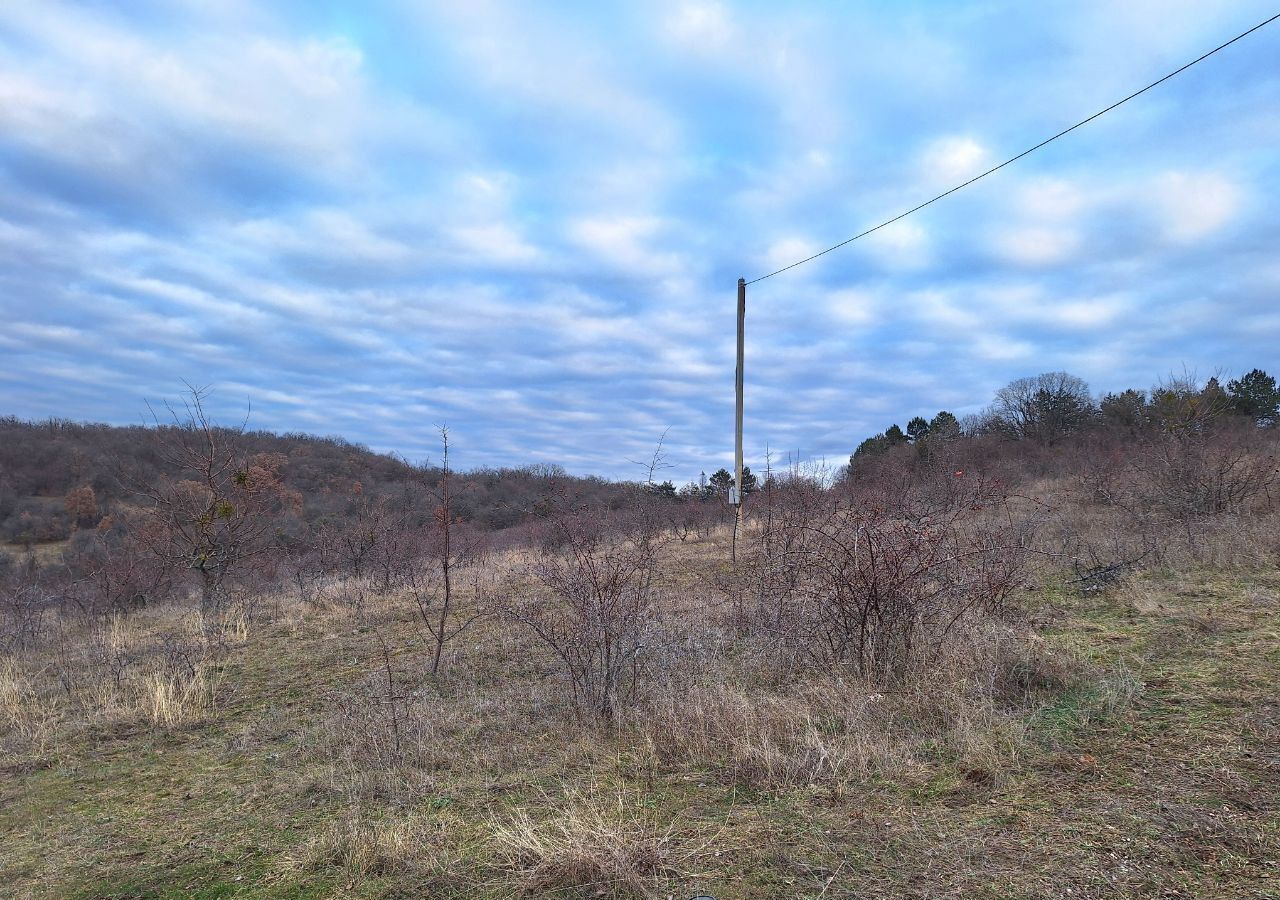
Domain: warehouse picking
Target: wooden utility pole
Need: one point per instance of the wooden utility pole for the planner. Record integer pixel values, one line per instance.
(737, 430)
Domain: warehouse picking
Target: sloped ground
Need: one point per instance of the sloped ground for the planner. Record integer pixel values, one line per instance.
(1157, 777)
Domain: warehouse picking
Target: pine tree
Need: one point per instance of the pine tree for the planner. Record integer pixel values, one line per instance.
(1255, 395)
(917, 429)
(944, 426)
(720, 482)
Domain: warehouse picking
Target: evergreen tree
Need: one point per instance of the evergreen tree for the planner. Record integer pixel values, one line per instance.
(944, 426)
(666, 490)
(749, 483)
(870, 447)
(720, 482)
(1181, 405)
(1214, 397)
(1127, 409)
(1255, 395)
(917, 429)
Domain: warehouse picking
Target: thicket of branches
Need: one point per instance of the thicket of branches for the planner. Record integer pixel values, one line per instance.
(58, 477)
(880, 571)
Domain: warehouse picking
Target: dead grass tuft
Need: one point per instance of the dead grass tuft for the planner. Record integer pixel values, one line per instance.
(609, 849)
(27, 718)
(176, 699)
(364, 847)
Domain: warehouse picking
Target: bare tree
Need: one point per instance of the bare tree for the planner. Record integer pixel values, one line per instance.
(25, 596)
(1044, 408)
(217, 509)
(430, 573)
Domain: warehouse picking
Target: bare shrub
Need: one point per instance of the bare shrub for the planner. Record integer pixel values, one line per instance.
(350, 544)
(383, 737)
(597, 610)
(114, 570)
(305, 572)
(434, 592)
(375, 716)
(1197, 492)
(448, 546)
(881, 580)
(27, 595)
(1194, 472)
(692, 517)
(111, 649)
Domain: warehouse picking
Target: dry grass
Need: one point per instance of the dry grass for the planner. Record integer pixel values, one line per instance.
(26, 719)
(603, 849)
(1122, 744)
(364, 848)
(171, 700)
(158, 667)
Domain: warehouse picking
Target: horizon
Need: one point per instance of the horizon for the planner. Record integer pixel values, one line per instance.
(660, 472)
(528, 225)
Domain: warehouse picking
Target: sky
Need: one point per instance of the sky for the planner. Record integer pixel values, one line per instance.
(527, 221)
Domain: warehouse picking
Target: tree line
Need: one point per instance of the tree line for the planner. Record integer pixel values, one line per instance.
(1047, 408)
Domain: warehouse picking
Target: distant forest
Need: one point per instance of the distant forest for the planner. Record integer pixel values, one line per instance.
(1050, 408)
(58, 476)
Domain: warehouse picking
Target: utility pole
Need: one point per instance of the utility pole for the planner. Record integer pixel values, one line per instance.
(737, 430)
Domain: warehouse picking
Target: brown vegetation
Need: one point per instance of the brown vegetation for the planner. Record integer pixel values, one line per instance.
(994, 668)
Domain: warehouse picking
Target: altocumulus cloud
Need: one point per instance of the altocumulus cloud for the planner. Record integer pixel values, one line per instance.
(527, 222)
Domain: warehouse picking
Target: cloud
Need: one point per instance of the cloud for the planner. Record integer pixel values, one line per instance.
(1051, 200)
(702, 26)
(950, 160)
(852, 307)
(1191, 206)
(625, 243)
(528, 221)
(902, 245)
(787, 250)
(1032, 246)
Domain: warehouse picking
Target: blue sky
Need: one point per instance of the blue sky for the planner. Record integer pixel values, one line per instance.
(527, 220)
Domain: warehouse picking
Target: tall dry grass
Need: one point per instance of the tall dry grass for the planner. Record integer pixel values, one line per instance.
(363, 846)
(27, 719)
(968, 710)
(176, 699)
(596, 846)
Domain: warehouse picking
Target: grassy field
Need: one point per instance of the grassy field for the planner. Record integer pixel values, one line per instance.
(314, 757)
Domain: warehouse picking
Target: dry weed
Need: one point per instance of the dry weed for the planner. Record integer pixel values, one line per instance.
(966, 708)
(178, 698)
(612, 849)
(25, 714)
(365, 847)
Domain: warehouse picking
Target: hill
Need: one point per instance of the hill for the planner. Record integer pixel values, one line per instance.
(1031, 655)
(43, 463)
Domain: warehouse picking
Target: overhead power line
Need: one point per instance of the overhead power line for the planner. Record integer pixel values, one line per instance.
(1029, 150)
